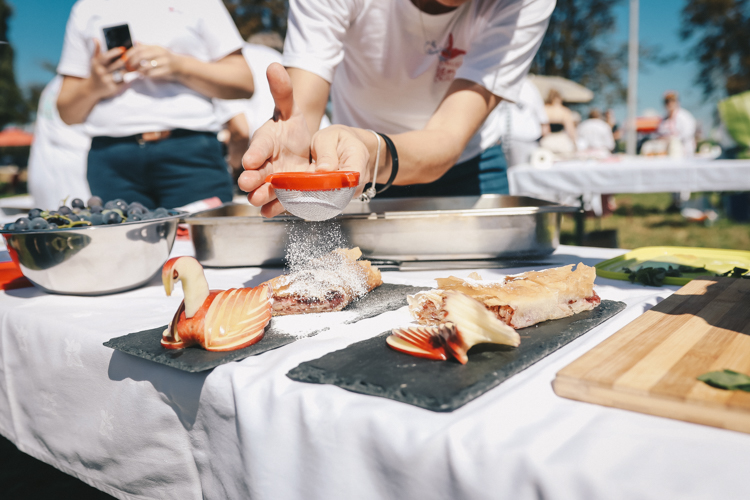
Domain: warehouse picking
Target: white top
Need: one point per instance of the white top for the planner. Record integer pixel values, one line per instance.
(389, 74)
(682, 125)
(522, 120)
(201, 29)
(137, 429)
(595, 134)
(57, 163)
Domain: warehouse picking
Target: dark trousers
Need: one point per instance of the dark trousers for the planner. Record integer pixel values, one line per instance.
(485, 173)
(186, 167)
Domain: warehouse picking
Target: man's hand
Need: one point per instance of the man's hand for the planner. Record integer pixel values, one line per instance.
(154, 62)
(103, 66)
(281, 145)
(339, 147)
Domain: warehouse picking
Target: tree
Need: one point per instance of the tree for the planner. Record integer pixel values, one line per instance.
(577, 47)
(719, 29)
(12, 104)
(254, 16)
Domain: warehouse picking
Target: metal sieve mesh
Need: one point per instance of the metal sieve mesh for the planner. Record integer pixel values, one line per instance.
(315, 205)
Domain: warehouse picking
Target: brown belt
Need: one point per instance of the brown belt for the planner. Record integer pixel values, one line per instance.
(152, 136)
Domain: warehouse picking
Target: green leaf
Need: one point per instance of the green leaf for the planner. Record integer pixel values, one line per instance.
(727, 379)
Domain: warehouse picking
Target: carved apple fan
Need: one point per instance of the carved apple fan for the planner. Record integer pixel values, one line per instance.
(217, 320)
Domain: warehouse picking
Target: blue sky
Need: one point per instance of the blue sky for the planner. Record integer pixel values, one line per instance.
(38, 26)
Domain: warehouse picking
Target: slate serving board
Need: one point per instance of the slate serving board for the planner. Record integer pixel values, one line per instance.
(147, 344)
(371, 367)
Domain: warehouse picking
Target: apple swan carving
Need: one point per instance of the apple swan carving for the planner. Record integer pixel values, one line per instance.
(218, 320)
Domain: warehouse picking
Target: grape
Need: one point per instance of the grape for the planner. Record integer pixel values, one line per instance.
(73, 218)
(38, 223)
(96, 209)
(52, 225)
(136, 210)
(53, 213)
(97, 219)
(77, 203)
(134, 217)
(35, 212)
(85, 216)
(94, 201)
(9, 227)
(63, 210)
(112, 218)
(160, 212)
(110, 205)
(22, 224)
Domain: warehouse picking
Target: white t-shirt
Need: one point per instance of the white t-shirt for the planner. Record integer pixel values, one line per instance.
(522, 120)
(201, 29)
(57, 163)
(390, 64)
(682, 125)
(595, 134)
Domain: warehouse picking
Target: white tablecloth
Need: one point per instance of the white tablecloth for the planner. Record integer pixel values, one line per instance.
(136, 429)
(629, 175)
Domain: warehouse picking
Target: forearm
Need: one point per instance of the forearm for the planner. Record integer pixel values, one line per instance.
(76, 99)
(229, 78)
(424, 155)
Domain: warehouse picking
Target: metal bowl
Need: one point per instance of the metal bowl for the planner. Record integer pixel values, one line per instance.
(93, 260)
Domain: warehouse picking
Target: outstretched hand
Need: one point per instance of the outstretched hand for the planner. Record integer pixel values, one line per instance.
(282, 144)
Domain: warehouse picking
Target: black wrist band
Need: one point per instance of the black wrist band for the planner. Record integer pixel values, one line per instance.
(394, 161)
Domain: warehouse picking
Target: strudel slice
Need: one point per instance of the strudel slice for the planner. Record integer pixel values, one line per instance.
(326, 284)
(520, 300)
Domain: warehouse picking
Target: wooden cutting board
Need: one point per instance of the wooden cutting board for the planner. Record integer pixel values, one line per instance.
(651, 365)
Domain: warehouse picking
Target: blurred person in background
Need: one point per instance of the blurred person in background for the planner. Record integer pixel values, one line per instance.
(612, 122)
(57, 162)
(427, 73)
(523, 124)
(562, 136)
(678, 123)
(154, 129)
(594, 134)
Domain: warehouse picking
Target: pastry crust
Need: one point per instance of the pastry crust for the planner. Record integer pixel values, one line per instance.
(328, 284)
(519, 300)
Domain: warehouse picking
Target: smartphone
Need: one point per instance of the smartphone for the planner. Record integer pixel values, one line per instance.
(118, 36)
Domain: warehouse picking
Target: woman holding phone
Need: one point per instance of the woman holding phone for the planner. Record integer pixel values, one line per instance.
(149, 107)
(416, 80)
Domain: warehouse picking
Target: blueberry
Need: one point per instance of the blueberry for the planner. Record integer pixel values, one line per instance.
(73, 218)
(94, 201)
(112, 218)
(22, 224)
(96, 209)
(52, 225)
(134, 217)
(77, 203)
(111, 204)
(136, 209)
(38, 223)
(122, 205)
(63, 210)
(35, 212)
(97, 219)
(160, 212)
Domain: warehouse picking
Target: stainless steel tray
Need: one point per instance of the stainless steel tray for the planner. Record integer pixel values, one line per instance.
(406, 229)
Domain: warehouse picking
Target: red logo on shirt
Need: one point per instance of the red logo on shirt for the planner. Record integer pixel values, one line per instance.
(449, 61)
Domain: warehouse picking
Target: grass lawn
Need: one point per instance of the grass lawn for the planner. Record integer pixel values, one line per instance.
(642, 220)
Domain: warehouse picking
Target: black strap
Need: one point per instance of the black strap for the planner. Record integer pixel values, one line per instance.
(394, 161)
